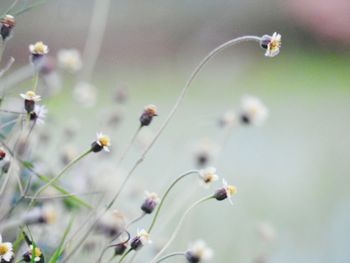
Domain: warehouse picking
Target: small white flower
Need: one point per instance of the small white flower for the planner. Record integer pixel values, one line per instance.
(103, 141)
(253, 110)
(30, 95)
(39, 48)
(6, 251)
(69, 59)
(228, 119)
(144, 237)
(208, 176)
(230, 190)
(85, 94)
(112, 223)
(273, 44)
(198, 252)
(152, 196)
(39, 114)
(37, 253)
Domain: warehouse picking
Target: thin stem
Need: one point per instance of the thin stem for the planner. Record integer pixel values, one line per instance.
(165, 196)
(54, 179)
(135, 220)
(128, 147)
(124, 256)
(171, 239)
(170, 255)
(35, 80)
(113, 245)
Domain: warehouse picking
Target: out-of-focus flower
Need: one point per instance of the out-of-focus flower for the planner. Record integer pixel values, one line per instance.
(85, 94)
(69, 60)
(266, 232)
(228, 119)
(253, 111)
(119, 249)
(272, 44)
(142, 238)
(39, 48)
(38, 255)
(121, 95)
(112, 223)
(226, 192)
(151, 201)
(40, 215)
(6, 25)
(102, 143)
(208, 176)
(147, 115)
(6, 251)
(205, 150)
(198, 252)
(39, 114)
(29, 100)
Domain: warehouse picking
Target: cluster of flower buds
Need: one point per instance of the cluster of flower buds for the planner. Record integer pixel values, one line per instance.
(147, 115)
(7, 23)
(150, 203)
(102, 143)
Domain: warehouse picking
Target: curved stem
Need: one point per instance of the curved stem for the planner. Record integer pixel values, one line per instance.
(135, 220)
(124, 256)
(54, 179)
(172, 237)
(113, 245)
(170, 255)
(165, 196)
(35, 80)
(128, 147)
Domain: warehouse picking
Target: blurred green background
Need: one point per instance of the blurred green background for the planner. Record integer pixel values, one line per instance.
(292, 173)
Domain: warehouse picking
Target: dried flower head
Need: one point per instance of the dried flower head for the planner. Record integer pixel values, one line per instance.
(102, 143)
(39, 48)
(142, 238)
(38, 255)
(69, 60)
(198, 252)
(253, 111)
(272, 44)
(6, 25)
(226, 192)
(6, 251)
(208, 176)
(147, 115)
(151, 201)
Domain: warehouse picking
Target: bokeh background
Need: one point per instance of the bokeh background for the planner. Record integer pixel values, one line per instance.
(292, 173)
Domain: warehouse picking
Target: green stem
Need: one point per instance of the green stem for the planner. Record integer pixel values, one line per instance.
(171, 239)
(128, 147)
(54, 179)
(170, 255)
(165, 196)
(124, 256)
(35, 81)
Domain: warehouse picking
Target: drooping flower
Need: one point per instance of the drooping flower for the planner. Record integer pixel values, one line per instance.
(6, 251)
(198, 252)
(272, 44)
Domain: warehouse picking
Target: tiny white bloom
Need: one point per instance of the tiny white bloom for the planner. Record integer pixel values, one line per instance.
(39, 48)
(37, 253)
(103, 141)
(253, 110)
(198, 252)
(152, 196)
(69, 59)
(144, 237)
(208, 176)
(6, 251)
(230, 190)
(30, 95)
(274, 45)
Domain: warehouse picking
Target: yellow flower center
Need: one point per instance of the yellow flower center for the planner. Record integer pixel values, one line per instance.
(39, 48)
(3, 249)
(273, 45)
(103, 140)
(231, 190)
(30, 94)
(37, 252)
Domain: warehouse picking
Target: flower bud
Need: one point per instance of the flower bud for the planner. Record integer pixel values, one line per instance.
(147, 116)
(151, 201)
(119, 249)
(141, 239)
(226, 192)
(6, 26)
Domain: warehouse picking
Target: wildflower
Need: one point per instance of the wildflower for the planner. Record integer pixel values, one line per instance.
(39, 114)
(226, 192)
(151, 201)
(253, 111)
(205, 151)
(38, 255)
(38, 51)
(228, 119)
(29, 100)
(102, 143)
(85, 94)
(112, 223)
(147, 115)
(6, 25)
(141, 239)
(272, 44)
(69, 60)
(208, 175)
(40, 215)
(2, 154)
(6, 251)
(198, 252)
